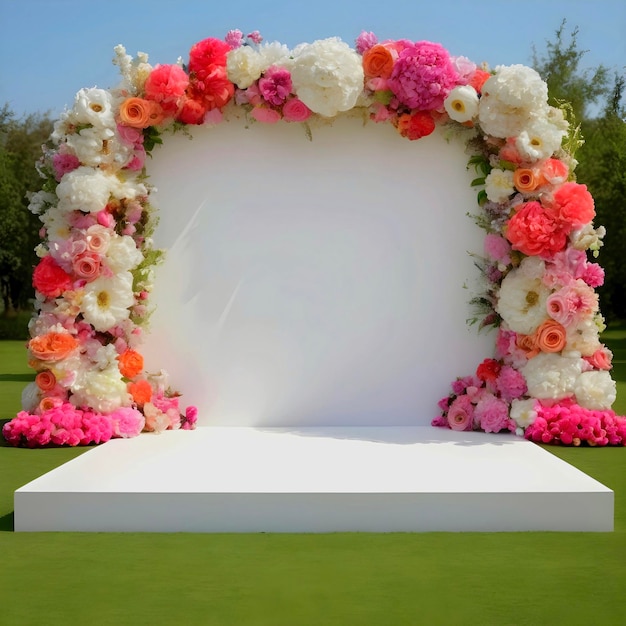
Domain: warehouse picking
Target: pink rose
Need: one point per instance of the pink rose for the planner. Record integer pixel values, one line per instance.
(461, 414)
(294, 110)
(601, 359)
(86, 266)
(265, 115)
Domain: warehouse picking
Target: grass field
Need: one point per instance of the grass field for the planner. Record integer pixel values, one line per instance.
(300, 579)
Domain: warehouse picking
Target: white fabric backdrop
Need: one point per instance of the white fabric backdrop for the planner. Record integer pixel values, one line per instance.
(313, 283)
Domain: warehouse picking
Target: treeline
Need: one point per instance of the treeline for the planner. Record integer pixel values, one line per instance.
(595, 95)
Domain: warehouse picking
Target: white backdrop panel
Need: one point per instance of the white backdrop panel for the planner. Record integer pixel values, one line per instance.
(317, 282)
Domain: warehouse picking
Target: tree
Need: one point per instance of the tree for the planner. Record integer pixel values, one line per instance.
(20, 147)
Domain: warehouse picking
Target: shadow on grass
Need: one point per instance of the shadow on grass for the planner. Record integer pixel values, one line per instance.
(7, 523)
(27, 378)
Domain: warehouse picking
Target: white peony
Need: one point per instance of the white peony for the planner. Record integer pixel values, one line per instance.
(85, 189)
(595, 390)
(461, 104)
(244, 65)
(102, 390)
(95, 107)
(539, 140)
(327, 76)
(274, 53)
(122, 254)
(523, 412)
(550, 376)
(510, 99)
(523, 296)
(499, 185)
(106, 301)
(97, 146)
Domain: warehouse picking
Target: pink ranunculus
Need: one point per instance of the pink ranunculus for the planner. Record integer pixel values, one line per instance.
(265, 115)
(166, 84)
(62, 163)
(423, 76)
(559, 308)
(87, 266)
(492, 414)
(498, 248)
(536, 232)
(573, 206)
(461, 414)
(50, 279)
(275, 85)
(294, 110)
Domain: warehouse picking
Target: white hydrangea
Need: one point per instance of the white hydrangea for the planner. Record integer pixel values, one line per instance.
(523, 412)
(461, 104)
(244, 65)
(595, 390)
(122, 254)
(107, 301)
(539, 140)
(102, 390)
(327, 76)
(551, 376)
(511, 99)
(523, 296)
(85, 189)
(499, 185)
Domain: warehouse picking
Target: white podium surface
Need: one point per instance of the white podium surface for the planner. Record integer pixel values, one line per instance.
(376, 479)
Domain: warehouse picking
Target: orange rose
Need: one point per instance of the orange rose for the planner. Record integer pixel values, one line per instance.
(141, 391)
(46, 380)
(140, 113)
(526, 179)
(130, 363)
(52, 346)
(550, 336)
(378, 62)
(46, 404)
(528, 344)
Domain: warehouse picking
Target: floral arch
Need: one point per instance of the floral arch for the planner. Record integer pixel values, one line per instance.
(549, 376)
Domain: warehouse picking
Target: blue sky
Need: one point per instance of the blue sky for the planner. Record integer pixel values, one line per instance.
(51, 48)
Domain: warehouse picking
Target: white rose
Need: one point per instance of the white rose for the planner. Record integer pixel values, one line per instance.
(327, 76)
(595, 390)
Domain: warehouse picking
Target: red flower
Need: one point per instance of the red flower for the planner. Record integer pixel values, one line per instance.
(488, 370)
(214, 90)
(535, 231)
(416, 125)
(50, 279)
(166, 85)
(573, 206)
(207, 54)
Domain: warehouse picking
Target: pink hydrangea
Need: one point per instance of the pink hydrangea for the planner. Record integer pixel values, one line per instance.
(423, 76)
(275, 85)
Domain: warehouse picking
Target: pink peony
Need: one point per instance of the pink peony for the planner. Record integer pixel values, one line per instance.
(461, 414)
(492, 414)
(127, 422)
(534, 231)
(166, 84)
(510, 383)
(573, 206)
(62, 163)
(275, 85)
(423, 76)
(294, 110)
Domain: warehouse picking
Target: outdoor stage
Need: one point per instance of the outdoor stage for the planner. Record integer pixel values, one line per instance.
(368, 479)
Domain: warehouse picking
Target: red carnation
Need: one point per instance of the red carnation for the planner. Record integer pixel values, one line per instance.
(535, 231)
(50, 279)
(416, 125)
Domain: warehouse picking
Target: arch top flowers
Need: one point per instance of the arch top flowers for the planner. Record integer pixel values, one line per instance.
(549, 375)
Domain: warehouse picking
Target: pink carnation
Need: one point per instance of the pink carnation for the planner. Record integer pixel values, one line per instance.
(423, 76)
(275, 85)
(535, 231)
(166, 84)
(492, 414)
(461, 414)
(573, 205)
(190, 419)
(50, 279)
(207, 54)
(365, 41)
(97, 428)
(234, 38)
(593, 275)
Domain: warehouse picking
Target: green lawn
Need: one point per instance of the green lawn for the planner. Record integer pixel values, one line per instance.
(345, 579)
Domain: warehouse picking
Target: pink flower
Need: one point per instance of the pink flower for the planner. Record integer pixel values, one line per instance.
(601, 359)
(207, 54)
(275, 85)
(105, 219)
(127, 422)
(294, 110)
(97, 428)
(535, 231)
(498, 248)
(365, 41)
(572, 302)
(192, 112)
(564, 267)
(510, 383)
(554, 171)
(50, 279)
(190, 419)
(461, 414)
(573, 206)
(87, 266)
(234, 38)
(63, 163)
(492, 414)
(129, 135)
(166, 84)
(255, 37)
(265, 115)
(423, 76)
(461, 384)
(593, 275)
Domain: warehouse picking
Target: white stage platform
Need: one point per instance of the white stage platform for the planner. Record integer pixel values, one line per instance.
(231, 479)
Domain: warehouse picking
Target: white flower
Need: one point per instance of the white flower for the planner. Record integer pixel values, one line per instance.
(96, 146)
(94, 106)
(584, 336)
(462, 103)
(122, 254)
(102, 390)
(31, 397)
(129, 188)
(327, 75)
(523, 296)
(499, 185)
(550, 376)
(539, 140)
(40, 201)
(244, 65)
(56, 225)
(85, 189)
(595, 390)
(588, 238)
(511, 99)
(274, 53)
(523, 412)
(106, 301)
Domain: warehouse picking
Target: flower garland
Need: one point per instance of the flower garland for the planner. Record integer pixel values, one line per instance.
(550, 376)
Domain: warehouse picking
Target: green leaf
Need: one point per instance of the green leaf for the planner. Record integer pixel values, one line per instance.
(478, 181)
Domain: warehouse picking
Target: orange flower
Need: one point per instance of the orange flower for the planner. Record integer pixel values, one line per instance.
(130, 363)
(46, 380)
(46, 404)
(141, 391)
(550, 336)
(526, 179)
(140, 113)
(528, 344)
(52, 346)
(378, 62)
